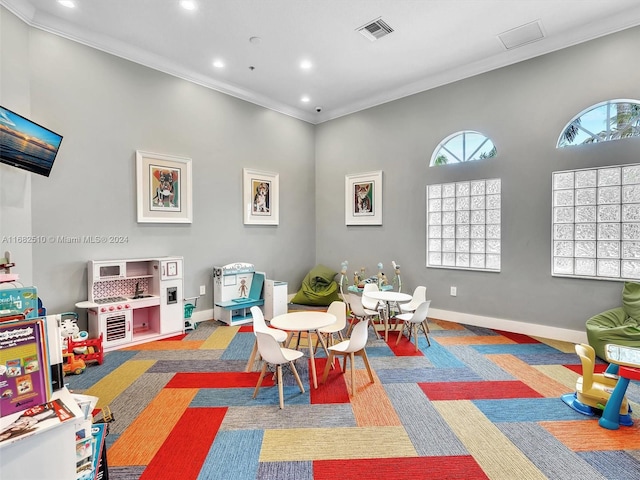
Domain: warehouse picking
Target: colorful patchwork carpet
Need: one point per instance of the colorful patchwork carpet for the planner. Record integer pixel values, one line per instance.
(475, 404)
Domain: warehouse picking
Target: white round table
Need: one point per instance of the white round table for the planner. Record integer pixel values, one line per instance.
(387, 297)
(305, 321)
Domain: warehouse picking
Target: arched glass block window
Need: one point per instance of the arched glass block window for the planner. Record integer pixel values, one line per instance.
(603, 122)
(461, 147)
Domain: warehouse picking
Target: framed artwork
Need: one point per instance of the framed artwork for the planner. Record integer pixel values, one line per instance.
(164, 188)
(363, 198)
(260, 197)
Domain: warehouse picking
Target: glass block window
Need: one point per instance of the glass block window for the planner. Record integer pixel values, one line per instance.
(596, 223)
(463, 225)
(461, 147)
(603, 122)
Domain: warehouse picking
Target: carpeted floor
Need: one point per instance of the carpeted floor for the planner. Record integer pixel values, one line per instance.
(477, 403)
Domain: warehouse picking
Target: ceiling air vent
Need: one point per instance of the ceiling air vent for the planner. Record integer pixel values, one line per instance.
(375, 29)
(519, 36)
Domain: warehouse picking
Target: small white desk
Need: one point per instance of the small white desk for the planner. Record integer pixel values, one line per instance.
(387, 297)
(305, 322)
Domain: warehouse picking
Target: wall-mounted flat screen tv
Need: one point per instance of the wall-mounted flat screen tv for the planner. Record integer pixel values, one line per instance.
(27, 145)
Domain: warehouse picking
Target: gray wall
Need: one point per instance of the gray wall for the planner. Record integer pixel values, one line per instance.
(15, 185)
(106, 108)
(522, 108)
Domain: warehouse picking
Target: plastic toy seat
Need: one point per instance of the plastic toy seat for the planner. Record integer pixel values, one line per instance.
(272, 353)
(358, 312)
(419, 296)
(350, 348)
(339, 309)
(259, 325)
(594, 390)
(415, 321)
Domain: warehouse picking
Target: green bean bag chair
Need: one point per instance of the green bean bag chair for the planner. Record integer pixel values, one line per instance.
(318, 287)
(619, 325)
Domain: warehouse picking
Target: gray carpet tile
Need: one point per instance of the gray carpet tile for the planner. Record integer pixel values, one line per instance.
(292, 416)
(428, 431)
(554, 459)
(279, 470)
(203, 330)
(454, 333)
(126, 473)
(194, 355)
(200, 366)
(130, 403)
(480, 364)
(613, 464)
(554, 358)
(399, 362)
(419, 375)
(481, 330)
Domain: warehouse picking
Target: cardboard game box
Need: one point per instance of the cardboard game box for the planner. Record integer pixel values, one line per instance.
(22, 300)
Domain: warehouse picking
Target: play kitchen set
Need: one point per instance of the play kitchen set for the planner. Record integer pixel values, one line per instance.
(134, 301)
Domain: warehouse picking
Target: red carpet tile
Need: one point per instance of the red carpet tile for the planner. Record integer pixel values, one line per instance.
(217, 380)
(246, 329)
(477, 390)
(406, 468)
(597, 368)
(334, 390)
(177, 337)
(517, 337)
(183, 453)
(405, 348)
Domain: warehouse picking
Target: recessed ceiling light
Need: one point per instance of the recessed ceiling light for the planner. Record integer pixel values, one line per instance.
(218, 63)
(188, 4)
(67, 3)
(305, 65)
(305, 99)
(255, 40)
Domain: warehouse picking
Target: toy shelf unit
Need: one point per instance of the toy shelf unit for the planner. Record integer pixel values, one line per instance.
(236, 288)
(135, 301)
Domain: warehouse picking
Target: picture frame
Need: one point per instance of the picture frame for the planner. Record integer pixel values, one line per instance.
(363, 198)
(261, 197)
(164, 188)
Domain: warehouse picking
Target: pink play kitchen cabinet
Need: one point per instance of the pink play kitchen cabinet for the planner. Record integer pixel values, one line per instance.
(135, 301)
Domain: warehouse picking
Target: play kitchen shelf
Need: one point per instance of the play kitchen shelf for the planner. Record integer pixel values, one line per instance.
(134, 301)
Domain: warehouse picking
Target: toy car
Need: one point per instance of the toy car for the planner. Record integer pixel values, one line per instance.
(72, 364)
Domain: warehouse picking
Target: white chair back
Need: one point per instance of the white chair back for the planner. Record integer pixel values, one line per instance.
(369, 303)
(420, 315)
(359, 337)
(259, 325)
(419, 296)
(339, 309)
(269, 349)
(355, 302)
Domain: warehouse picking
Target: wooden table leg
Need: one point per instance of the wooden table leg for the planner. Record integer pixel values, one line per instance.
(313, 360)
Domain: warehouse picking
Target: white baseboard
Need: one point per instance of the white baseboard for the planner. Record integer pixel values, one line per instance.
(202, 315)
(534, 329)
